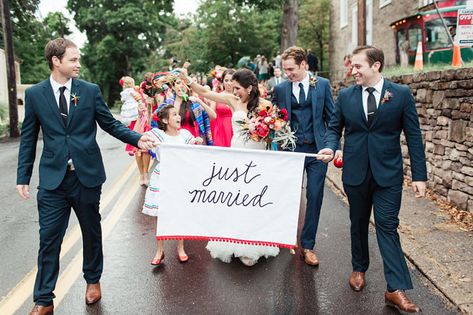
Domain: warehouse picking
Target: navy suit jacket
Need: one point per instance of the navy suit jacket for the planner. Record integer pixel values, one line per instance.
(76, 140)
(377, 146)
(322, 105)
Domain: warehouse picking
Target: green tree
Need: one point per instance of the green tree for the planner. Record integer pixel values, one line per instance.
(29, 38)
(225, 31)
(314, 23)
(57, 24)
(121, 36)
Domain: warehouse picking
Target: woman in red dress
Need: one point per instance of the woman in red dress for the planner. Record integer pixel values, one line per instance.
(222, 126)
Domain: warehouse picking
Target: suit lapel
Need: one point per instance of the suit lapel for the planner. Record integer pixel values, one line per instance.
(75, 87)
(359, 103)
(313, 98)
(288, 97)
(379, 110)
(51, 100)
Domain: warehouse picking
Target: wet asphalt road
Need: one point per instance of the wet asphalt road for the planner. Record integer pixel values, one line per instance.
(280, 285)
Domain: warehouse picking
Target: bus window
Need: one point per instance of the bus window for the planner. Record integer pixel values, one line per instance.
(415, 36)
(436, 35)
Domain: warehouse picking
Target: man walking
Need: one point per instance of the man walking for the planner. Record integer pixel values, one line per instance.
(309, 103)
(373, 114)
(71, 171)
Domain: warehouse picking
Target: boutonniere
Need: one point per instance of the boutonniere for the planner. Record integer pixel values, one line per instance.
(75, 98)
(387, 96)
(313, 81)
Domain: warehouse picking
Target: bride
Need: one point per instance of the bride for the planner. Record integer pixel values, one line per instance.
(245, 98)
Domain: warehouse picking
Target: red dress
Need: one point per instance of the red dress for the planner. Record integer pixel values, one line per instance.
(192, 128)
(221, 126)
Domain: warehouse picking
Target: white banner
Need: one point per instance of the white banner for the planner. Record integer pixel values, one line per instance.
(236, 195)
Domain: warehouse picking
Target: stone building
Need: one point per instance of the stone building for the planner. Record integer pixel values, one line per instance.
(357, 22)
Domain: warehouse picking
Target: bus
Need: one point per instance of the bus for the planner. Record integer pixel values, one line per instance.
(435, 31)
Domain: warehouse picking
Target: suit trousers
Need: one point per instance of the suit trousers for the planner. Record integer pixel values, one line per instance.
(54, 208)
(316, 171)
(386, 202)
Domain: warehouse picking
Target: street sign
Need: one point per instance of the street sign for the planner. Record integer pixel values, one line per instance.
(464, 32)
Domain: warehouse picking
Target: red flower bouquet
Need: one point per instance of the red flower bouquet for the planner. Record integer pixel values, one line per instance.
(270, 124)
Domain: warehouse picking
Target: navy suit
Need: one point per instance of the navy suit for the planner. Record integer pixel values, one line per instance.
(61, 188)
(310, 124)
(373, 171)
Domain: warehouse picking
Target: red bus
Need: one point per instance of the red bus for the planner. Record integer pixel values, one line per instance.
(433, 30)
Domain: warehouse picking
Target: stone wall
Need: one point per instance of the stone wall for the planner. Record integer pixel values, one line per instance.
(444, 101)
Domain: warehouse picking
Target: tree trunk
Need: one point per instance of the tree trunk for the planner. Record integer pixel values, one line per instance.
(289, 24)
(10, 64)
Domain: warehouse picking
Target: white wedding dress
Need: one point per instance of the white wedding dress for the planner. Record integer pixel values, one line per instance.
(249, 254)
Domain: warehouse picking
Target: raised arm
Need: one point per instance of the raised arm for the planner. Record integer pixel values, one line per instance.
(212, 114)
(225, 98)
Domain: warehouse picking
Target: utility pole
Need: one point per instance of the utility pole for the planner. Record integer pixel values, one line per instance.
(10, 65)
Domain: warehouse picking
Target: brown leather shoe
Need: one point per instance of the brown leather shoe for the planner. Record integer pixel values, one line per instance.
(309, 257)
(93, 294)
(42, 310)
(357, 281)
(400, 300)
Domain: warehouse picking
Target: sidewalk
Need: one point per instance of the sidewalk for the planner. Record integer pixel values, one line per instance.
(437, 247)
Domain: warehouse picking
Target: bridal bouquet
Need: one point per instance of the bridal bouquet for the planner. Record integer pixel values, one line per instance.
(270, 124)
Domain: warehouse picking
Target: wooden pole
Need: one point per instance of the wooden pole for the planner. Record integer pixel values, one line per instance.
(361, 22)
(10, 65)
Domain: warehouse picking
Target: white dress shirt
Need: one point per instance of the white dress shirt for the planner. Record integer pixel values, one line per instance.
(377, 95)
(57, 93)
(296, 88)
(67, 95)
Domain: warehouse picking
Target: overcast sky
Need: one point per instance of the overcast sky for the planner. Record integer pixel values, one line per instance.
(46, 6)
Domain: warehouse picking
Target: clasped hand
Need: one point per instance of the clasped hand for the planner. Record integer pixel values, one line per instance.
(146, 143)
(326, 155)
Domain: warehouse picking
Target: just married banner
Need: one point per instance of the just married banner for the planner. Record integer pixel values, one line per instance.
(233, 195)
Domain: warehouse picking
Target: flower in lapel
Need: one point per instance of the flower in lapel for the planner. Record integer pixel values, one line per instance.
(313, 81)
(386, 97)
(75, 99)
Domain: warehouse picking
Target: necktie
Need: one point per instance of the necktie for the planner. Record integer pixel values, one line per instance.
(277, 81)
(301, 93)
(371, 104)
(63, 104)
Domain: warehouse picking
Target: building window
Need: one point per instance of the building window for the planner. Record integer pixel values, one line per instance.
(354, 25)
(343, 13)
(383, 3)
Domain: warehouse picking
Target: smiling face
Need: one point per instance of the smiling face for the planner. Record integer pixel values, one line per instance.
(294, 72)
(241, 92)
(227, 83)
(174, 120)
(362, 72)
(69, 65)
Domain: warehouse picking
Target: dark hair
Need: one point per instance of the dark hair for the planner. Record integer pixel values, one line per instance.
(57, 47)
(185, 107)
(225, 73)
(296, 53)
(373, 55)
(164, 114)
(247, 78)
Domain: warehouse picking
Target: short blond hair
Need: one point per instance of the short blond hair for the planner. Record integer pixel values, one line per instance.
(128, 82)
